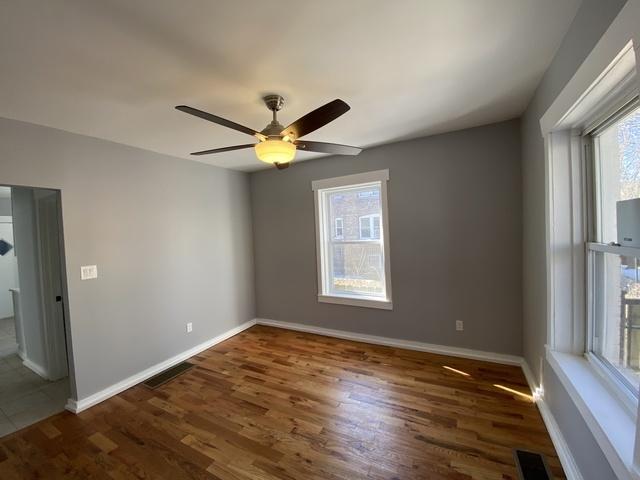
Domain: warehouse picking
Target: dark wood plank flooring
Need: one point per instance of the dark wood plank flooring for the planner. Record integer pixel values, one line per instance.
(275, 404)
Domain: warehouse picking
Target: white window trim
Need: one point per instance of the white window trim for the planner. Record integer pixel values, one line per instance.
(378, 176)
(585, 99)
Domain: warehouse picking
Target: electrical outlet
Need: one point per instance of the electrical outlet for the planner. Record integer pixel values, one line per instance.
(459, 325)
(189, 327)
(88, 272)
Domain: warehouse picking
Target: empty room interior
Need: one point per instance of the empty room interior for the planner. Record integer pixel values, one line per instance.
(340, 239)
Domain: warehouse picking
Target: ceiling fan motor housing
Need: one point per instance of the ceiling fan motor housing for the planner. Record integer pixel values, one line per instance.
(274, 102)
(273, 130)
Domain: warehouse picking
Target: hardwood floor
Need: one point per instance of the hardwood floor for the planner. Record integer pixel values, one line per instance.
(275, 404)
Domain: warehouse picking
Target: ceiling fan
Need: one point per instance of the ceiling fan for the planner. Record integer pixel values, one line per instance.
(277, 145)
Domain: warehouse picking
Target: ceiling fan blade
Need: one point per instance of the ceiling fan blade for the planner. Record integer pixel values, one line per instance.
(316, 119)
(327, 148)
(220, 121)
(224, 149)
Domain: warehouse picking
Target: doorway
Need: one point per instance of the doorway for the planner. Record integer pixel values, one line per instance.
(34, 361)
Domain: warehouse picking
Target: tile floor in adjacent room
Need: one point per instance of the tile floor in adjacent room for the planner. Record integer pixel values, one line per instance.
(25, 397)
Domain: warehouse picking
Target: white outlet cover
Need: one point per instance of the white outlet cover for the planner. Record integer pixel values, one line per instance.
(459, 325)
(189, 327)
(88, 272)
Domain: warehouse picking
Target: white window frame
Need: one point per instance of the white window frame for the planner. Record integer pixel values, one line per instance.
(590, 96)
(623, 99)
(378, 177)
(371, 229)
(336, 227)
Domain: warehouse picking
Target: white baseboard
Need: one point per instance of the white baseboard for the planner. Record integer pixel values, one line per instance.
(398, 343)
(562, 448)
(536, 390)
(77, 406)
(35, 368)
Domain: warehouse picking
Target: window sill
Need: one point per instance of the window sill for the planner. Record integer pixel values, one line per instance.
(369, 302)
(606, 416)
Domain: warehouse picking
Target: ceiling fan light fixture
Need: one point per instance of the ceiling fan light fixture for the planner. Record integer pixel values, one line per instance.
(274, 151)
(278, 144)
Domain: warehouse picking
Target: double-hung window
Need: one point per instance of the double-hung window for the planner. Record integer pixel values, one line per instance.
(592, 178)
(352, 240)
(614, 251)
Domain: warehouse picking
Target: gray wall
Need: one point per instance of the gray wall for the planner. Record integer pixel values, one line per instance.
(172, 240)
(26, 245)
(455, 238)
(592, 19)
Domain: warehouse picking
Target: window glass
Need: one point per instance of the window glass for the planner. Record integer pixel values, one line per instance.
(616, 329)
(615, 285)
(339, 232)
(376, 226)
(617, 153)
(365, 227)
(354, 259)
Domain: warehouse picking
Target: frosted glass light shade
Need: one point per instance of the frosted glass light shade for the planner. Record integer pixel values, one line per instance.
(275, 151)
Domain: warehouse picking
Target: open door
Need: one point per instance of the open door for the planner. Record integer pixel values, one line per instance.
(8, 282)
(36, 380)
(48, 228)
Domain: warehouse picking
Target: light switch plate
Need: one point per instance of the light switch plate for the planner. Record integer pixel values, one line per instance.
(189, 327)
(88, 272)
(459, 325)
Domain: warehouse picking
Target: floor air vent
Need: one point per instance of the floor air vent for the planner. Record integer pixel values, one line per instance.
(169, 374)
(531, 465)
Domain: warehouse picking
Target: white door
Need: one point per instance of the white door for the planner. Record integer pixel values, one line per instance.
(49, 246)
(8, 266)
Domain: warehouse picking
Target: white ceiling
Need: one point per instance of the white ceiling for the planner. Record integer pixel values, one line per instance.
(114, 69)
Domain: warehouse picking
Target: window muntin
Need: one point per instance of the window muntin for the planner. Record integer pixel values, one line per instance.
(353, 267)
(614, 287)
